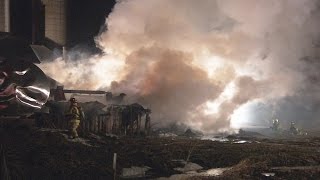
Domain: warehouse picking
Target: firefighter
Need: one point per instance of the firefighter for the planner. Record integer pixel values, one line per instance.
(293, 129)
(74, 114)
(147, 124)
(275, 125)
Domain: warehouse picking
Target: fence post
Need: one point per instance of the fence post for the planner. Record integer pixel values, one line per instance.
(139, 124)
(114, 165)
(94, 124)
(100, 124)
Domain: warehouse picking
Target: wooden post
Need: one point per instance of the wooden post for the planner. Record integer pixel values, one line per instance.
(131, 120)
(109, 124)
(94, 124)
(106, 123)
(87, 125)
(103, 124)
(147, 125)
(139, 124)
(114, 165)
(99, 124)
(116, 122)
(112, 120)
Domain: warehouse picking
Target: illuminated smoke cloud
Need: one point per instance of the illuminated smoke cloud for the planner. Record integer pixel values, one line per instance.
(198, 62)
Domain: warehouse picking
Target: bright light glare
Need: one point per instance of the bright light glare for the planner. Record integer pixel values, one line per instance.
(241, 116)
(210, 64)
(107, 70)
(212, 107)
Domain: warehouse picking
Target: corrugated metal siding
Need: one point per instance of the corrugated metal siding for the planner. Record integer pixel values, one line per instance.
(2, 16)
(55, 20)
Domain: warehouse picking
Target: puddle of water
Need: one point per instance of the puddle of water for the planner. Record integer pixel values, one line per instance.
(219, 139)
(241, 142)
(208, 173)
(223, 139)
(268, 174)
(215, 171)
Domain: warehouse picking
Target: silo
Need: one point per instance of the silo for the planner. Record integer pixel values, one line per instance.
(4, 15)
(56, 20)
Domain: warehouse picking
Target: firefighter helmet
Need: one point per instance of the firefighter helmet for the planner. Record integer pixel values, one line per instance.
(73, 100)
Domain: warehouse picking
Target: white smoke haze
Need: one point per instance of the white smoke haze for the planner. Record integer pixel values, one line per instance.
(198, 62)
(93, 73)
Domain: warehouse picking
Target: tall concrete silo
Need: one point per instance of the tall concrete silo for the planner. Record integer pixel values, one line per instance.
(56, 21)
(4, 15)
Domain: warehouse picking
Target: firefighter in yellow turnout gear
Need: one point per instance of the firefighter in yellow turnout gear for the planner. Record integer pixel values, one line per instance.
(74, 114)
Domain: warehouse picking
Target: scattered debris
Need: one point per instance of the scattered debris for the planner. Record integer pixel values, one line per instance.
(167, 135)
(77, 140)
(189, 167)
(189, 134)
(176, 176)
(134, 172)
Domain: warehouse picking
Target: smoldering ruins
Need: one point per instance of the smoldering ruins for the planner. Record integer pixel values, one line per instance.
(200, 63)
(168, 87)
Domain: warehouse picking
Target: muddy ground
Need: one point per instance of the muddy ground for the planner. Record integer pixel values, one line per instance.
(33, 153)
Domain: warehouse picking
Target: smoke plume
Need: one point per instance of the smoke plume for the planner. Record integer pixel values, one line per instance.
(199, 63)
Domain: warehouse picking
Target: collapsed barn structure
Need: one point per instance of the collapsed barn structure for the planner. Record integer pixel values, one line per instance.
(114, 117)
(18, 69)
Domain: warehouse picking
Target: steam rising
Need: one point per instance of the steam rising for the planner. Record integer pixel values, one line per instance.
(198, 62)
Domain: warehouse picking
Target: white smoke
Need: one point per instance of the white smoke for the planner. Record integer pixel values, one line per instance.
(197, 62)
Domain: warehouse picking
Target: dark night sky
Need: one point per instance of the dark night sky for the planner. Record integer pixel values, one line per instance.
(86, 17)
